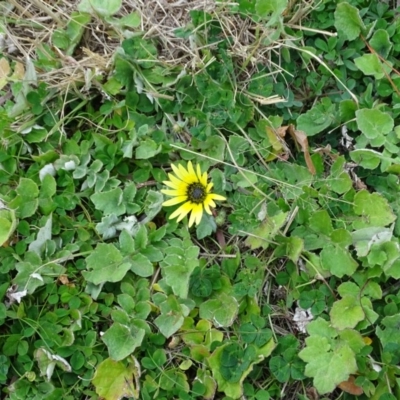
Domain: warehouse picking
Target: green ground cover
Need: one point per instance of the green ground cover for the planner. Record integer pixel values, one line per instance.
(116, 282)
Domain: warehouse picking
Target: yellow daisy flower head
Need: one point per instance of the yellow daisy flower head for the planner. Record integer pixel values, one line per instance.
(190, 187)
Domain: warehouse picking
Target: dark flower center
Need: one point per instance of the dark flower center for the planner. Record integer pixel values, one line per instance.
(196, 193)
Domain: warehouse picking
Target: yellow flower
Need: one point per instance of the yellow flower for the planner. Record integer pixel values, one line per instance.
(190, 187)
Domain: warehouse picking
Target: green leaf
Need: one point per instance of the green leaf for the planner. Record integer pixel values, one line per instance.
(380, 42)
(110, 202)
(141, 265)
(366, 158)
(265, 232)
(147, 149)
(121, 341)
(47, 362)
(370, 64)
(106, 8)
(337, 260)
(172, 316)
(178, 265)
(8, 223)
(222, 310)
(373, 209)
(26, 201)
(321, 222)
(317, 119)
(114, 380)
(225, 358)
(270, 9)
(374, 123)
(328, 365)
(348, 21)
(105, 264)
(346, 313)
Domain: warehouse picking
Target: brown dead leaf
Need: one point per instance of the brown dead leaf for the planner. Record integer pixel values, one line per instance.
(4, 72)
(301, 138)
(65, 281)
(312, 393)
(350, 387)
(19, 71)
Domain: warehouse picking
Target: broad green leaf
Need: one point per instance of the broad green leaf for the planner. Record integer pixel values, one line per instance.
(328, 366)
(366, 158)
(381, 43)
(114, 380)
(337, 260)
(172, 316)
(373, 209)
(106, 8)
(370, 64)
(348, 20)
(321, 222)
(121, 341)
(110, 202)
(105, 264)
(374, 123)
(346, 313)
(265, 232)
(178, 265)
(8, 223)
(364, 238)
(221, 360)
(26, 201)
(147, 149)
(43, 235)
(222, 310)
(141, 266)
(318, 118)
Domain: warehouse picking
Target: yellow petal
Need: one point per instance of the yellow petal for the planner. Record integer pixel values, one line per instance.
(182, 211)
(199, 172)
(170, 184)
(207, 208)
(174, 180)
(173, 192)
(216, 196)
(196, 214)
(209, 202)
(179, 171)
(209, 187)
(191, 169)
(175, 200)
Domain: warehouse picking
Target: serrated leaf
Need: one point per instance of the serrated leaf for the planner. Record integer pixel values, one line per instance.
(337, 260)
(265, 232)
(110, 202)
(366, 158)
(105, 264)
(328, 366)
(141, 265)
(317, 119)
(121, 341)
(147, 149)
(346, 313)
(373, 209)
(374, 123)
(348, 20)
(114, 380)
(222, 310)
(370, 64)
